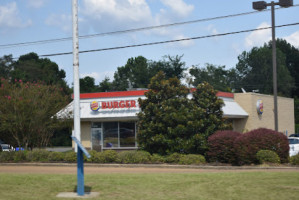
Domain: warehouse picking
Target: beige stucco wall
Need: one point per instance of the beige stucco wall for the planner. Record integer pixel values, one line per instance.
(248, 102)
(85, 134)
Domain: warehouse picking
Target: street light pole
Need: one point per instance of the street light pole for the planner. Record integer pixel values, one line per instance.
(261, 5)
(274, 63)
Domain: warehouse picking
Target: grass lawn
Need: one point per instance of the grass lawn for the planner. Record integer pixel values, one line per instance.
(120, 186)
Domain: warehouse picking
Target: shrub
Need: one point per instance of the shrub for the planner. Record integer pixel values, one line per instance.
(6, 156)
(192, 159)
(248, 144)
(267, 156)
(19, 156)
(173, 158)
(56, 156)
(38, 155)
(110, 156)
(70, 156)
(294, 160)
(134, 157)
(221, 146)
(157, 159)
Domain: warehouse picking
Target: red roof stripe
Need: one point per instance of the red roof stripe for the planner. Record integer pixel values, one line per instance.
(134, 93)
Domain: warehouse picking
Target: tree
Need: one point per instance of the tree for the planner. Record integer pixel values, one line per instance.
(138, 71)
(134, 73)
(170, 122)
(27, 112)
(6, 66)
(291, 61)
(105, 85)
(255, 71)
(172, 66)
(220, 78)
(30, 67)
(87, 85)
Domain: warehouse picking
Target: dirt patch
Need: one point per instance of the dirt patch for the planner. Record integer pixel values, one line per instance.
(102, 169)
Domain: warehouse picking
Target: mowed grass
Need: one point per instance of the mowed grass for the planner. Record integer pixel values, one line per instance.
(120, 186)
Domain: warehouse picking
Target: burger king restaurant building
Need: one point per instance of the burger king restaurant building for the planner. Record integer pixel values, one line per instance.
(109, 119)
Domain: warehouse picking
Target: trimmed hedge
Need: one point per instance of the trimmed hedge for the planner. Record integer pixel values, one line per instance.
(294, 160)
(248, 144)
(221, 146)
(192, 159)
(267, 156)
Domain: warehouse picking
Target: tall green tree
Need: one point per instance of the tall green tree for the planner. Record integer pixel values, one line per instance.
(87, 85)
(6, 66)
(170, 122)
(291, 61)
(30, 67)
(27, 112)
(138, 71)
(255, 71)
(220, 78)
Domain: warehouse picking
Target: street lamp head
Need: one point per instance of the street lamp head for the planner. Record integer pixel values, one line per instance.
(259, 5)
(286, 3)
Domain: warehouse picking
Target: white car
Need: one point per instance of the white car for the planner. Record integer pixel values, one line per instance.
(294, 145)
(7, 147)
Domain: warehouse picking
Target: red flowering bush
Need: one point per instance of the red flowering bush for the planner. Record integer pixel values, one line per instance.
(221, 146)
(248, 144)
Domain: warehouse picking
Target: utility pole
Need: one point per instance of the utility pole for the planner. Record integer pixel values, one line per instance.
(77, 126)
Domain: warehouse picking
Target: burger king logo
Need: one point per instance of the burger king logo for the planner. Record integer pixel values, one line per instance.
(94, 106)
(259, 107)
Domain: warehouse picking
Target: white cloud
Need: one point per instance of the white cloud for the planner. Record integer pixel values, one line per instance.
(293, 39)
(258, 38)
(61, 21)
(36, 3)
(116, 13)
(179, 7)
(184, 43)
(211, 28)
(9, 17)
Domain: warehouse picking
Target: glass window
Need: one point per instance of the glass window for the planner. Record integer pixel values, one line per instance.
(110, 134)
(127, 134)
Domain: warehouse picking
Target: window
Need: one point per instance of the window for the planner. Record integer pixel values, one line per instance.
(127, 134)
(110, 134)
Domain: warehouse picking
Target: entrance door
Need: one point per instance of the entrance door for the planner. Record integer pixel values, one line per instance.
(96, 139)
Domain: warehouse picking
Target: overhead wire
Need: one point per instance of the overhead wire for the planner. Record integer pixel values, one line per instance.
(2, 46)
(169, 41)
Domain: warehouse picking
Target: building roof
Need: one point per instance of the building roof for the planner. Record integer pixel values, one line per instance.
(135, 93)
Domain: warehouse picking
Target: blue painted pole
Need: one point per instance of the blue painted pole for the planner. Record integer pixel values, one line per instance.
(80, 173)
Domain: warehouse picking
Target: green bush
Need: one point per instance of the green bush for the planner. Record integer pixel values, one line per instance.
(134, 157)
(19, 156)
(95, 157)
(6, 156)
(56, 156)
(70, 156)
(173, 158)
(267, 156)
(38, 155)
(110, 156)
(157, 159)
(192, 159)
(294, 160)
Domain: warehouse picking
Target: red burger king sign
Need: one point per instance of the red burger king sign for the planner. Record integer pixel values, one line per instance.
(95, 106)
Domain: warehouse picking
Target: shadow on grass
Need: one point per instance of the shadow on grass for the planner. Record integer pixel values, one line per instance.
(86, 188)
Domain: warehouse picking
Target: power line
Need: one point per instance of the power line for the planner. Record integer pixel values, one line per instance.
(132, 30)
(169, 41)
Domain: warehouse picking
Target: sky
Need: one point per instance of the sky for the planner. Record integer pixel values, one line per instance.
(24, 21)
